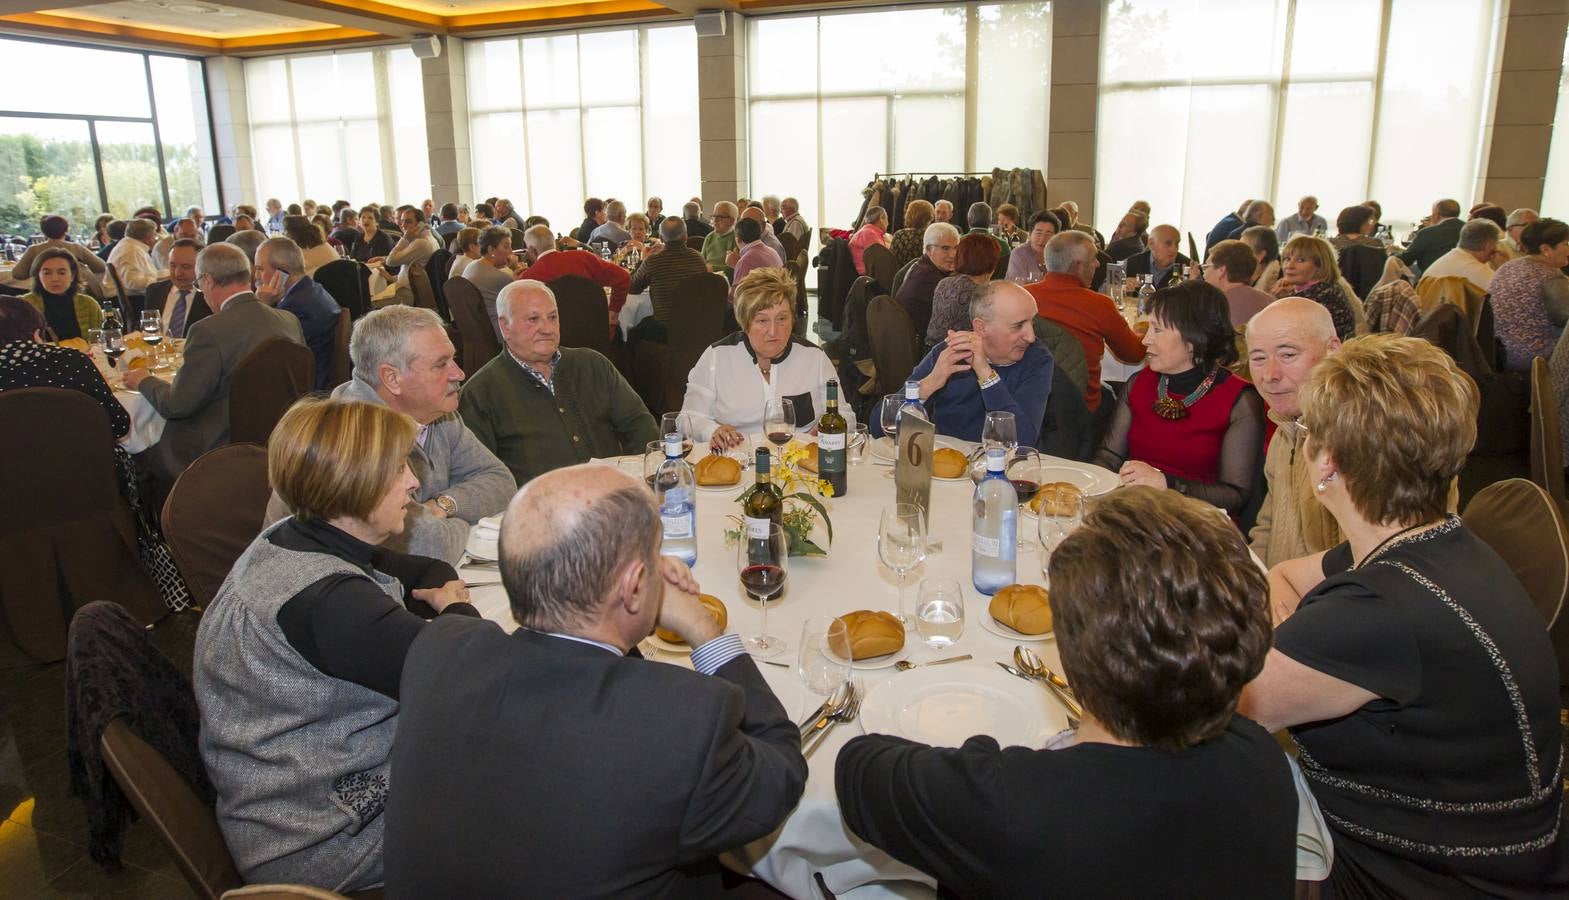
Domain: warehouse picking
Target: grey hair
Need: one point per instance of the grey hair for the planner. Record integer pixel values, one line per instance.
(1477, 233)
(283, 254)
(1518, 217)
(770, 200)
(225, 263)
(1254, 209)
(790, 202)
(875, 214)
(192, 209)
(653, 200)
(539, 239)
(1068, 249)
(247, 241)
(979, 214)
(140, 229)
(616, 211)
(946, 203)
(1308, 199)
(383, 337)
(491, 238)
(672, 230)
(937, 230)
(984, 298)
(691, 210)
(562, 583)
(726, 207)
(504, 296)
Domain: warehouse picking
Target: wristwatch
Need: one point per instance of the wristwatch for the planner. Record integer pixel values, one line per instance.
(447, 504)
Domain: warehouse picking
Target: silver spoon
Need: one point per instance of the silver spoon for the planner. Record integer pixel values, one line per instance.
(1032, 666)
(905, 665)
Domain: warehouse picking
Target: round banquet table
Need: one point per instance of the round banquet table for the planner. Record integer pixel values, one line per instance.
(146, 423)
(814, 838)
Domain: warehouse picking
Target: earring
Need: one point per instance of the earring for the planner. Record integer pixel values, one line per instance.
(1323, 483)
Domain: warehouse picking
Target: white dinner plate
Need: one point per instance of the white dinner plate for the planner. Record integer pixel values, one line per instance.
(1003, 631)
(883, 448)
(884, 661)
(716, 488)
(1092, 480)
(947, 705)
(667, 646)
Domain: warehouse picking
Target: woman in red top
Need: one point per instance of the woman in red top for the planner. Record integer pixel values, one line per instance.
(1185, 422)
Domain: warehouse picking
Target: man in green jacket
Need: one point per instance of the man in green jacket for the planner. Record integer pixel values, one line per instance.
(539, 406)
(719, 242)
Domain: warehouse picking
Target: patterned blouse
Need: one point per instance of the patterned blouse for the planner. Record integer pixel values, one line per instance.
(950, 308)
(25, 364)
(1520, 318)
(906, 246)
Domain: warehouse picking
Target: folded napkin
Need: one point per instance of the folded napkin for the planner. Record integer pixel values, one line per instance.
(483, 539)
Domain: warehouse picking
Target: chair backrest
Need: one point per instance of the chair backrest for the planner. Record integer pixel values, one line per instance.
(265, 384)
(901, 275)
(584, 312)
(1547, 448)
(698, 319)
(120, 296)
(478, 336)
(695, 242)
(213, 512)
(348, 281)
(1067, 354)
(1525, 526)
(436, 269)
(1456, 289)
(881, 266)
(167, 802)
(787, 241)
(419, 286)
(342, 365)
(892, 336)
(219, 233)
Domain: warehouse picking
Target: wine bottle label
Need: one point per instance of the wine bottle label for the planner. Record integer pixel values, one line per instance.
(757, 529)
(830, 442)
(677, 526)
(987, 546)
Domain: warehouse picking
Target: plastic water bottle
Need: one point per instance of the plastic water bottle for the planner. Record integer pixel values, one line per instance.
(1146, 290)
(994, 542)
(676, 486)
(912, 403)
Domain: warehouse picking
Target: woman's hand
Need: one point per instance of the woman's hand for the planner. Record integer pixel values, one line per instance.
(725, 437)
(1136, 472)
(444, 596)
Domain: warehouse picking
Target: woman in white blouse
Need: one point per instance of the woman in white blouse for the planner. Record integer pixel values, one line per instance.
(733, 381)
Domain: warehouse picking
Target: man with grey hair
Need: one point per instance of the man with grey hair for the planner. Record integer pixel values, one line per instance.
(659, 768)
(248, 241)
(719, 242)
(692, 215)
(1305, 220)
(546, 264)
(281, 282)
(614, 231)
(1437, 237)
(184, 230)
(1516, 223)
(940, 252)
(794, 223)
(1063, 295)
(1259, 212)
(1478, 242)
(195, 405)
(132, 258)
(942, 211)
(540, 406)
(404, 361)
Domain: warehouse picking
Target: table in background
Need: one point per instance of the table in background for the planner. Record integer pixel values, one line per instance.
(146, 423)
(637, 308)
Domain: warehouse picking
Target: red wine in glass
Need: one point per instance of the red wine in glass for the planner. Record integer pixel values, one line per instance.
(763, 581)
(779, 438)
(1025, 488)
(113, 355)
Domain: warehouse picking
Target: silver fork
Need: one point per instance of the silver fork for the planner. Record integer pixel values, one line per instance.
(845, 713)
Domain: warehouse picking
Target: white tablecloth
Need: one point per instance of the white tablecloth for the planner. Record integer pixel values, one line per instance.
(637, 308)
(146, 424)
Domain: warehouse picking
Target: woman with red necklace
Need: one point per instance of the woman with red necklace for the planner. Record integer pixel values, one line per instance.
(1184, 421)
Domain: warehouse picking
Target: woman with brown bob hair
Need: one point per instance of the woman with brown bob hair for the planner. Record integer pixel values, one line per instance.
(906, 242)
(1309, 268)
(1160, 621)
(1410, 666)
(973, 266)
(298, 658)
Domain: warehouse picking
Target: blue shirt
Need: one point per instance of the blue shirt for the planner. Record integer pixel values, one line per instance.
(960, 408)
(318, 315)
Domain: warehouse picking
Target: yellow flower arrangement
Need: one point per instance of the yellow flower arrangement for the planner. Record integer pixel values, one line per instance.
(802, 509)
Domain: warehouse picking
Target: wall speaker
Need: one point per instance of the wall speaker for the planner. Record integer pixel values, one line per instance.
(426, 46)
(710, 23)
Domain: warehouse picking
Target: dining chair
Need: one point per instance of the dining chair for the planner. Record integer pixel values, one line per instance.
(419, 286)
(121, 298)
(219, 233)
(266, 382)
(697, 321)
(436, 269)
(67, 536)
(695, 242)
(584, 313)
(1524, 525)
(477, 335)
(342, 364)
(348, 281)
(1547, 448)
(213, 512)
(880, 265)
(901, 275)
(893, 341)
(283, 892)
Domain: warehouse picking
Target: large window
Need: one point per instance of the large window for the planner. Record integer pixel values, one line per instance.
(836, 99)
(560, 117)
(1206, 103)
(1555, 191)
(138, 137)
(339, 126)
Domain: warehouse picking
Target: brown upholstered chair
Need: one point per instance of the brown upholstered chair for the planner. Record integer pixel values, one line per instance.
(584, 312)
(214, 511)
(1520, 521)
(659, 371)
(67, 536)
(892, 336)
(478, 335)
(265, 384)
(420, 287)
(881, 266)
(695, 242)
(1547, 448)
(787, 241)
(342, 365)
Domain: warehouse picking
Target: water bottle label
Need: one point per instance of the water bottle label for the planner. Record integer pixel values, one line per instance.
(830, 442)
(988, 547)
(678, 526)
(757, 529)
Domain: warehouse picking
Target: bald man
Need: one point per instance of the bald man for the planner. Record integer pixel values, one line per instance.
(1285, 341)
(1160, 259)
(558, 758)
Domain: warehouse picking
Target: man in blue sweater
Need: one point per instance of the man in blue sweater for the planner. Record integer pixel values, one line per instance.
(995, 367)
(281, 281)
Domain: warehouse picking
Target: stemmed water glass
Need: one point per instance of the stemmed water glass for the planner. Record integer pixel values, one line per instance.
(939, 612)
(1054, 524)
(888, 414)
(779, 421)
(855, 448)
(901, 544)
(1001, 430)
(824, 661)
(763, 564)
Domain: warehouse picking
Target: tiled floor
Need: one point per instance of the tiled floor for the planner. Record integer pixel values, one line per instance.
(43, 836)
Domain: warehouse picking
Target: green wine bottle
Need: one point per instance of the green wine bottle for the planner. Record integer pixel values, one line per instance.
(764, 504)
(831, 436)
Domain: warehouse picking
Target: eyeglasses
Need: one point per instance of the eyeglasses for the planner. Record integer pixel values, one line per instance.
(722, 216)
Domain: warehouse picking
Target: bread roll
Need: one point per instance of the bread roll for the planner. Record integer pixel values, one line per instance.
(1057, 498)
(873, 633)
(808, 462)
(136, 362)
(1026, 608)
(949, 463)
(716, 608)
(718, 471)
(76, 344)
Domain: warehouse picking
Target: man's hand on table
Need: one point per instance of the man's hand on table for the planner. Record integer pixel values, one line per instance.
(680, 610)
(134, 377)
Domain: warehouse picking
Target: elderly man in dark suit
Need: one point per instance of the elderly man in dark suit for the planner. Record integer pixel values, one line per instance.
(181, 304)
(196, 403)
(551, 763)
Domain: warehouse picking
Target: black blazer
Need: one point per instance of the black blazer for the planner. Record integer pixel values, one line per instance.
(1144, 264)
(531, 765)
(1432, 242)
(158, 296)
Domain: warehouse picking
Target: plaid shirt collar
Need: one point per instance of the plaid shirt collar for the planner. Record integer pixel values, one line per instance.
(548, 384)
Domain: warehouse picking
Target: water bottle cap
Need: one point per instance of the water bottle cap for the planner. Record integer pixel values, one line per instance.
(912, 390)
(672, 445)
(996, 459)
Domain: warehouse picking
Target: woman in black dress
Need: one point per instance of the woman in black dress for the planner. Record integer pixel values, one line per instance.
(1411, 667)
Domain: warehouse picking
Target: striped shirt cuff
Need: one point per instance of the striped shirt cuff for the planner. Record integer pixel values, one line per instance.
(712, 656)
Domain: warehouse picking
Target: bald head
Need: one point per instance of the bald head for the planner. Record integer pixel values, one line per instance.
(1308, 318)
(573, 542)
(1286, 339)
(1163, 245)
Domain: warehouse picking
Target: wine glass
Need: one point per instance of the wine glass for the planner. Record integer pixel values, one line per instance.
(939, 612)
(114, 345)
(762, 564)
(1024, 471)
(855, 448)
(152, 333)
(901, 543)
(1001, 430)
(824, 659)
(1056, 522)
(779, 421)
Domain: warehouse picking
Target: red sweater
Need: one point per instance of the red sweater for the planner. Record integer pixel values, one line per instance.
(1092, 319)
(582, 263)
(1187, 448)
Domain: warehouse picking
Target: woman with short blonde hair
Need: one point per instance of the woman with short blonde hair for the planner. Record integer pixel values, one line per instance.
(1308, 268)
(1409, 664)
(298, 657)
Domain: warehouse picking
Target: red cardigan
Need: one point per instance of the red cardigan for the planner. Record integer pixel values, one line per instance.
(582, 263)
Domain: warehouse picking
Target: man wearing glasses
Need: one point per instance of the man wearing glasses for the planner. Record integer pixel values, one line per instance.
(717, 245)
